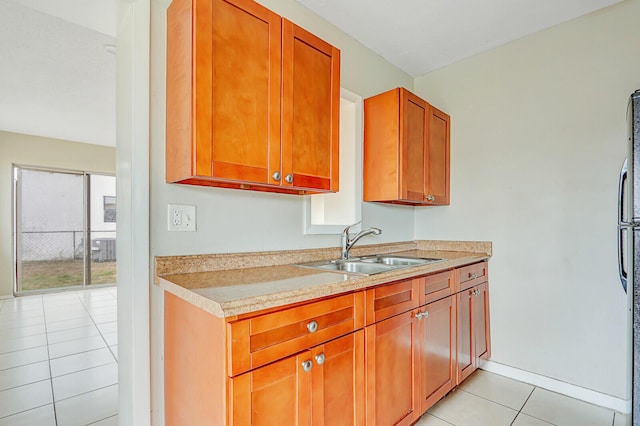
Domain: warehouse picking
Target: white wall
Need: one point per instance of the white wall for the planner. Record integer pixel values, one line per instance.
(538, 137)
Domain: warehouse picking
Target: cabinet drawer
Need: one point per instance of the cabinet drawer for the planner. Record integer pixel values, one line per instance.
(257, 341)
(392, 299)
(471, 275)
(436, 287)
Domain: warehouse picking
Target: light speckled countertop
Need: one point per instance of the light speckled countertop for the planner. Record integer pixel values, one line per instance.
(232, 284)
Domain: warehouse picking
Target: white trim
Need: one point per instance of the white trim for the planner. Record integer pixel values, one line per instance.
(337, 229)
(573, 391)
(132, 173)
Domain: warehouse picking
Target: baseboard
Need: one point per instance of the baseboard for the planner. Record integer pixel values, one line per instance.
(573, 391)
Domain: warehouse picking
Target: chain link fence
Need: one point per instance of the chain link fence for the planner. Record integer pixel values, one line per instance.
(66, 245)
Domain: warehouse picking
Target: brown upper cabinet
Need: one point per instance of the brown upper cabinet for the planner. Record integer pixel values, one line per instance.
(406, 150)
(252, 100)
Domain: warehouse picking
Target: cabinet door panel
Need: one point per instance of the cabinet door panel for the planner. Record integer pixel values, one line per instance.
(436, 287)
(391, 299)
(465, 350)
(437, 162)
(481, 322)
(246, 91)
(391, 375)
(338, 381)
(413, 140)
(273, 395)
(310, 132)
(437, 351)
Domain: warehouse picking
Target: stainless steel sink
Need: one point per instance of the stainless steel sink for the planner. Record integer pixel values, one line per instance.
(369, 265)
(399, 260)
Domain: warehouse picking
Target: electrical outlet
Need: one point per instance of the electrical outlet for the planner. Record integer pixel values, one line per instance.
(181, 218)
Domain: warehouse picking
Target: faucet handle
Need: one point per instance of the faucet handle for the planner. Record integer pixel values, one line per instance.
(346, 230)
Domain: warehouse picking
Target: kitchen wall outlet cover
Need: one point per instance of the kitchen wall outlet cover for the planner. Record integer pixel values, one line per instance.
(181, 217)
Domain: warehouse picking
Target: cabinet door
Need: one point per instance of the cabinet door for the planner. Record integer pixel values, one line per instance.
(310, 110)
(465, 358)
(437, 158)
(391, 371)
(480, 322)
(243, 89)
(473, 329)
(338, 381)
(274, 395)
(413, 139)
(437, 350)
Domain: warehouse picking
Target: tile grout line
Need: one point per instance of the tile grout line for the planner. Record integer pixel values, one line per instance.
(522, 406)
(90, 391)
(53, 395)
(98, 328)
(25, 411)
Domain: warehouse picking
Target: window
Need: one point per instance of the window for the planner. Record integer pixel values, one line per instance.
(109, 208)
(331, 213)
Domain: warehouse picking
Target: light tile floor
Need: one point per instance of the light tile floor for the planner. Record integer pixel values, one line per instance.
(487, 399)
(59, 359)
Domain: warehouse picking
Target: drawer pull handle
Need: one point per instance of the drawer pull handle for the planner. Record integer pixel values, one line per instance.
(473, 276)
(289, 178)
(306, 365)
(312, 327)
(276, 176)
(476, 292)
(319, 359)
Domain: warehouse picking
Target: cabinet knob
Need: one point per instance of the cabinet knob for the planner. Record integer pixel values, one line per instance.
(312, 327)
(319, 359)
(306, 365)
(476, 292)
(473, 276)
(421, 315)
(425, 314)
(276, 176)
(289, 178)
(430, 198)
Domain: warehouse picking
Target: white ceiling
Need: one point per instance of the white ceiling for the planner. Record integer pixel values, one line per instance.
(419, 36)
(56, 78)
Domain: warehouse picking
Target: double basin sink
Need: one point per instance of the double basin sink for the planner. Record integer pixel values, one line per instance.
(369, 265)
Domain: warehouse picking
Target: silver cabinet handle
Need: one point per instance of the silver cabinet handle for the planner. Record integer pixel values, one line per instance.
(422, 315)
(476, 292)
(319, 359)
(473, 276)
(306, 365)
(289, 178)
(276, 176)
(312, 327)
(430, 198)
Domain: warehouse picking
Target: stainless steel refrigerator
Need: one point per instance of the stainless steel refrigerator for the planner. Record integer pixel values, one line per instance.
(629, 241)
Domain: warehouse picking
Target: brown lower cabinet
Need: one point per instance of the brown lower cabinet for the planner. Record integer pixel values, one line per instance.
(410, 361)
(377, 357)
(392, 351)
(318, 386)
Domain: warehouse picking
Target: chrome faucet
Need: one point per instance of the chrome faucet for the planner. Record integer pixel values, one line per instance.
(347, 242)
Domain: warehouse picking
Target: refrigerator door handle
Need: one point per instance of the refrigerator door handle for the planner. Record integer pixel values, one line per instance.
(621, 270)
(622, 226)
(621, 184)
